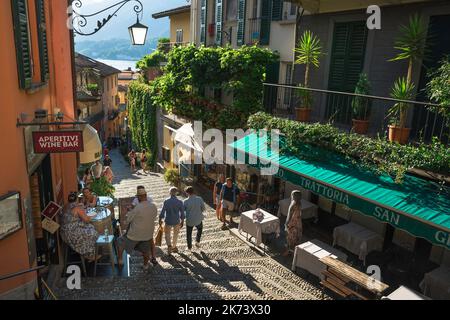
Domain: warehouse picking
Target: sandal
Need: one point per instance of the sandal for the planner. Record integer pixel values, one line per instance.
(154, 261)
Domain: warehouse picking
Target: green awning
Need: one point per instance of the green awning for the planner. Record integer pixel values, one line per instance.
(417, 206)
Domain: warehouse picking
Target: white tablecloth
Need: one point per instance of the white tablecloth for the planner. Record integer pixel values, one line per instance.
(270, 224)
(308, 254)
(436, 284)
(309, 210)
(404, 293)
(357, 239)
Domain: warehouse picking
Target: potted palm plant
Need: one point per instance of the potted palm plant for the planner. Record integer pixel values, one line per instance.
(402, 90)
(308, 52)
(412, 46)
(361, 106)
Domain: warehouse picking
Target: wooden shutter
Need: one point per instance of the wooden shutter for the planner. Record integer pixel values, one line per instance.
(22, 39)
(203, 17)
(42, 35)
(241, 22)
(347, 58)
(277, 10)
(266, 12)
(219, 21)
(347, 62)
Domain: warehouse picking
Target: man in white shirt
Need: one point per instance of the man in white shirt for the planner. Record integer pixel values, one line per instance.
(141, 228)
(97, 170)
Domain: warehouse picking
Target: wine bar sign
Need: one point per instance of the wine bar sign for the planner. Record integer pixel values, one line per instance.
(58, 141)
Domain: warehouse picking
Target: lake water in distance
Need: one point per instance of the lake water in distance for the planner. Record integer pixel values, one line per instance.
(120, 64)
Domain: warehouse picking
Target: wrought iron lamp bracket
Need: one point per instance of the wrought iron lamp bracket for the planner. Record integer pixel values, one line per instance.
(80, 21)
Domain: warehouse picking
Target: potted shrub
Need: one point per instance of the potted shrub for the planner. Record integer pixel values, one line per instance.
(412, 46)
(93, 88)
(102, 188)
(172, 176)
(402, 90)
(361, 106)
(308, 52)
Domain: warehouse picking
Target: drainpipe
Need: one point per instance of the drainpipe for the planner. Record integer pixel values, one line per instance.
(74, 79)
(300, 12)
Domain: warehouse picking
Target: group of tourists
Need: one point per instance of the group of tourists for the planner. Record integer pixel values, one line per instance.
(97, 171)
(133, 156)
(141, 220)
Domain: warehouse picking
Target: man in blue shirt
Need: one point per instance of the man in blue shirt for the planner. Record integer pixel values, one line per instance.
(194, 207)
(173, 215)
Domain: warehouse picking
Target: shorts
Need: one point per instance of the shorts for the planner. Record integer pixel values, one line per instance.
(227, 205)
(218, 199)
(130, 245)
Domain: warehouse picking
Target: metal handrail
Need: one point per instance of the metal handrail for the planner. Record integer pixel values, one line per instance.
(352, 94)
(16, 274)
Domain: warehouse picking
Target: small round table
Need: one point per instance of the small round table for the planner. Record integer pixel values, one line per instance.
(103, 220)
(106, 202)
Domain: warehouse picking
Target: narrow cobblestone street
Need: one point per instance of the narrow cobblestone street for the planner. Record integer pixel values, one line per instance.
(225, 267)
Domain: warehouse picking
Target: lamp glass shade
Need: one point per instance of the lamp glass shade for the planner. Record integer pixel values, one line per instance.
(138, 33)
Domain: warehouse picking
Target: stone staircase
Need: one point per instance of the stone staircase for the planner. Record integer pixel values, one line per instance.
(225, 268)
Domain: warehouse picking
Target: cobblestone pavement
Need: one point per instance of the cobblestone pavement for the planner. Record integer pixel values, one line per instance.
(225, 268)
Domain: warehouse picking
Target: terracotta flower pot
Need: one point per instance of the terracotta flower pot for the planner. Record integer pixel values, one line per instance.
(360, 126)
(398, 134)
(303, 114)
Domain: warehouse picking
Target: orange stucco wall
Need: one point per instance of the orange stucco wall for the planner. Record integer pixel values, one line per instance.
(57, 95)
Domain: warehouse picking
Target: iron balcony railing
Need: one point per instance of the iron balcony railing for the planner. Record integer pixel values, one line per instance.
(340, 108)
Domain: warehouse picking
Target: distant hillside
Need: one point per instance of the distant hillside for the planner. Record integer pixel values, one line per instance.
(115, 49)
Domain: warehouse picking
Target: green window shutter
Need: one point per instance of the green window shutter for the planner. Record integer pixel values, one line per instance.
(42, 34)
(277, 10)
(203, 15)
(241, 22)
(266, 7)
(347, 62)
(22, 39)
(219, 20)
(347, 58)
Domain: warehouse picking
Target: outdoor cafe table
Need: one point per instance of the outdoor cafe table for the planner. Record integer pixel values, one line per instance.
(404, 293)
(106, 202)
(308, 254)
(436, 284)
(309, 210)
(101, 220)
(270, 224)
(357, 239)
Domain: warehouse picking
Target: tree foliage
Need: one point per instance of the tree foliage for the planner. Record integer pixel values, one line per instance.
(191, 71)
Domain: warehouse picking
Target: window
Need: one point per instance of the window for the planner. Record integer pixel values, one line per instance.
(242, 5)
(231, 10)
(293, 11)
(179, 36)
(203, 20)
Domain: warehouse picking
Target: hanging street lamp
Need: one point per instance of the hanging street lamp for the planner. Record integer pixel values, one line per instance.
(79, 22)
(138, 33)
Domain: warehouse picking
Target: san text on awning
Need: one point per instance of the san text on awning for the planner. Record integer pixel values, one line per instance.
(417, 206)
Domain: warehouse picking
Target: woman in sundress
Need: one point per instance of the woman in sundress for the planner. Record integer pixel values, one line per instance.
(76, 229)
(293, 225)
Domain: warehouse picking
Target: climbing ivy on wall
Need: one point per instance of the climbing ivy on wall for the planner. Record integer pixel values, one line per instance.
(142, 117)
